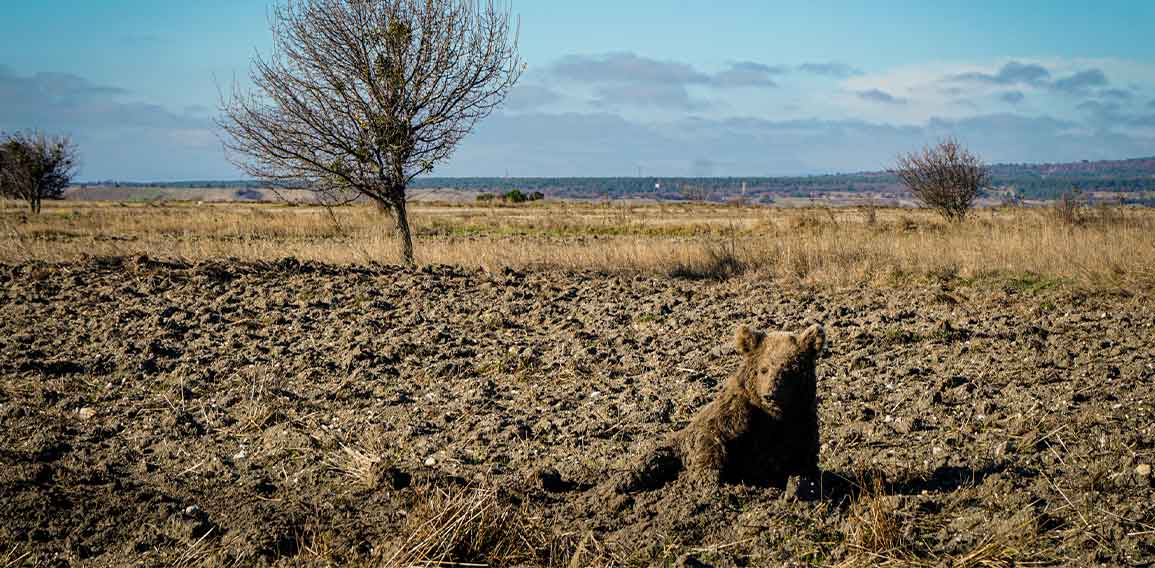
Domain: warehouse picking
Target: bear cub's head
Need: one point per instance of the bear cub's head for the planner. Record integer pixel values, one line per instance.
(777, 370)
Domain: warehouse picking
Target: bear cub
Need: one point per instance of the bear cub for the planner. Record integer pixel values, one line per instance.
(760, 430)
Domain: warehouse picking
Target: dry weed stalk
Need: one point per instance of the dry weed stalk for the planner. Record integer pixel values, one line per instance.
(355, 464)
(870, 214)
(1069, 209)
(11, 558)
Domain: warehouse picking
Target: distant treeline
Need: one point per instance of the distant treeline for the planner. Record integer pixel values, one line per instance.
(1132, 180)
(1050, 181)
(191, 184)
(1019, 183)
(697, 189)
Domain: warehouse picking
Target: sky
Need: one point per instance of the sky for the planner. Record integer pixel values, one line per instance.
(613, 88)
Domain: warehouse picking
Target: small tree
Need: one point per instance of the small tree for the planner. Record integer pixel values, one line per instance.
(361, 96)
(946, 177)
(35, 167)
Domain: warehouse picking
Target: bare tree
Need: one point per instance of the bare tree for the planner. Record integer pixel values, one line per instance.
(361, 96)
(35, 167)
(946, 177)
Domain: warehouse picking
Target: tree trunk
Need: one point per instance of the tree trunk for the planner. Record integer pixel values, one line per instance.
(34, 204)
(402, 218)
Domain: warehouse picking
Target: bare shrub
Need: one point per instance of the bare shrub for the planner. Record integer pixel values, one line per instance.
(946, 177)
(362, 96)
(35, 167)
(870, 214)
(1069, 209)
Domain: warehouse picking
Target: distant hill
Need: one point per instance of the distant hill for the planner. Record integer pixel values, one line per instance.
(1127, 180)
(1131, 181)
(1138, 167)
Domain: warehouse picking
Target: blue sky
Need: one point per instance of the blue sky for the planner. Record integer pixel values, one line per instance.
(674, 88)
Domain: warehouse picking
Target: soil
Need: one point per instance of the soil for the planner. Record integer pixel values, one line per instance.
(156, 413)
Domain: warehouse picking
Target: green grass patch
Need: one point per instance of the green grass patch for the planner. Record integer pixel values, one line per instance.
(1031, 282)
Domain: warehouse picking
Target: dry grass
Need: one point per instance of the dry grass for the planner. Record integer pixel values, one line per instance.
(875, 530)
(12, 556)
(881, 532)
(460, 526)
(808, 247)
(355, 464)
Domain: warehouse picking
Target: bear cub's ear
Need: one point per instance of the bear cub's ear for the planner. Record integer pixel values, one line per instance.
(812, 339)
(748, 340)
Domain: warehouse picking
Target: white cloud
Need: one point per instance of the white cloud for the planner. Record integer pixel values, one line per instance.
(605, 144)
(609, 114)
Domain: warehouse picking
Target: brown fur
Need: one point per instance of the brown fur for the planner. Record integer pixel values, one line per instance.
(761, 429)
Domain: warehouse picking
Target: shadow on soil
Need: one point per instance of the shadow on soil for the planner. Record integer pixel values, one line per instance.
(844, 488)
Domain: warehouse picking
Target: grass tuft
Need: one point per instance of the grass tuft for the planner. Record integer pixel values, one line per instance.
(470, 526)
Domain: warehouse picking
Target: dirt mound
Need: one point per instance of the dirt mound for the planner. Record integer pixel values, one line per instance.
(162, 413)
